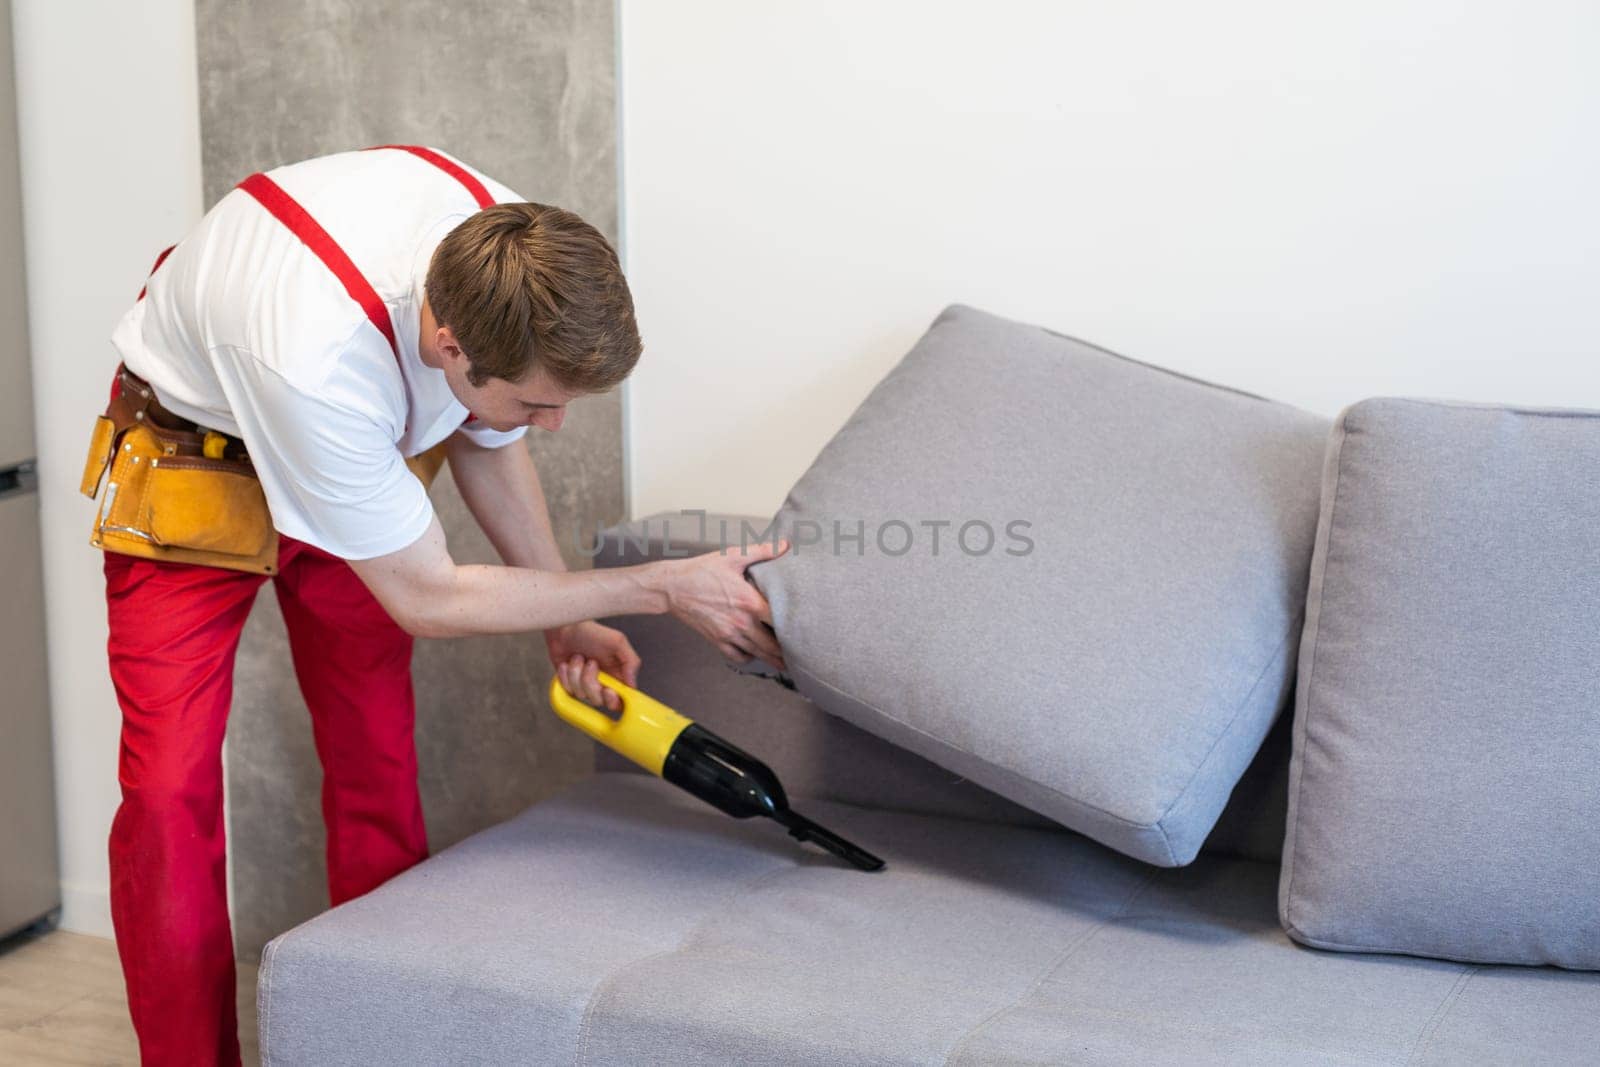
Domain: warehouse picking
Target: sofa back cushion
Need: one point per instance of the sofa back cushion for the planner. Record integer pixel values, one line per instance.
(1073, 578)
(1445, 783)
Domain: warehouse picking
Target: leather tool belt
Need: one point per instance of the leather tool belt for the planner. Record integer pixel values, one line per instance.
(183, 494)
(175, 492)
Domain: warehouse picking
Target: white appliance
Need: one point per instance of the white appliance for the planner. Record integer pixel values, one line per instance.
(30, 889)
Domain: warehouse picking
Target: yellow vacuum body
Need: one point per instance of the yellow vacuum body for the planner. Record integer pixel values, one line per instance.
(696, 760)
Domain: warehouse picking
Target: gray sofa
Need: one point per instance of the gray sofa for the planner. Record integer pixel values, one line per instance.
(1141, 573)
(626, 922)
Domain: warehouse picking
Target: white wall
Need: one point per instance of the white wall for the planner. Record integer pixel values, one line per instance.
(1318, 203)
(109, 128)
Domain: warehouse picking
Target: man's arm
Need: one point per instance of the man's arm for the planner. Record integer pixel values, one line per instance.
(429, 595)
(501, 487)
(502, 490)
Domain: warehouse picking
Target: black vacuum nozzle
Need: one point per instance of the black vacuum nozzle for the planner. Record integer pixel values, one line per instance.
(733, 781)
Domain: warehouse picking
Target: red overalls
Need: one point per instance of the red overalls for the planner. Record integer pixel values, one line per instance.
(174, 631)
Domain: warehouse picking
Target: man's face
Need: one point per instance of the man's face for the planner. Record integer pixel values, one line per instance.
(536, 400)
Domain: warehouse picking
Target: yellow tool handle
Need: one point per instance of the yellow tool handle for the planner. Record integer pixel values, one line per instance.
(643, 731)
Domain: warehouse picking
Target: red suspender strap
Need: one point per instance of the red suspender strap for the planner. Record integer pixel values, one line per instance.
(300, 223)
(479, 192)
(288, 211)
(162, 258)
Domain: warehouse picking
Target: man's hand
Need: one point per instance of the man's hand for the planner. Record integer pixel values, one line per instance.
(712, 595)
(584, 649)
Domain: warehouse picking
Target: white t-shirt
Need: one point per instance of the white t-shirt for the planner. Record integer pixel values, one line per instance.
(244, 330)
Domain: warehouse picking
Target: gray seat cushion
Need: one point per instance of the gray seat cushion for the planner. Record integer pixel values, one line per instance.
(1118, 677)
(1445, 795)
(626, 922)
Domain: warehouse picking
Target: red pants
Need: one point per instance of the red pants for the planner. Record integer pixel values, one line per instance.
(174, 631)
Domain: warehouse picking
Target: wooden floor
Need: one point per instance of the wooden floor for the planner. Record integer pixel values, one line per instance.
(62, 1004)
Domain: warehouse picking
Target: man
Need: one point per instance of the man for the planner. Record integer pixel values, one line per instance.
(324, 323)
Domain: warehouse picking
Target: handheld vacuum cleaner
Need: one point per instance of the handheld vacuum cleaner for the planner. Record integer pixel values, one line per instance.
(693, 758)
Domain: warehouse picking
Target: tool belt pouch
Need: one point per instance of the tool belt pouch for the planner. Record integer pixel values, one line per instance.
(166, 500)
